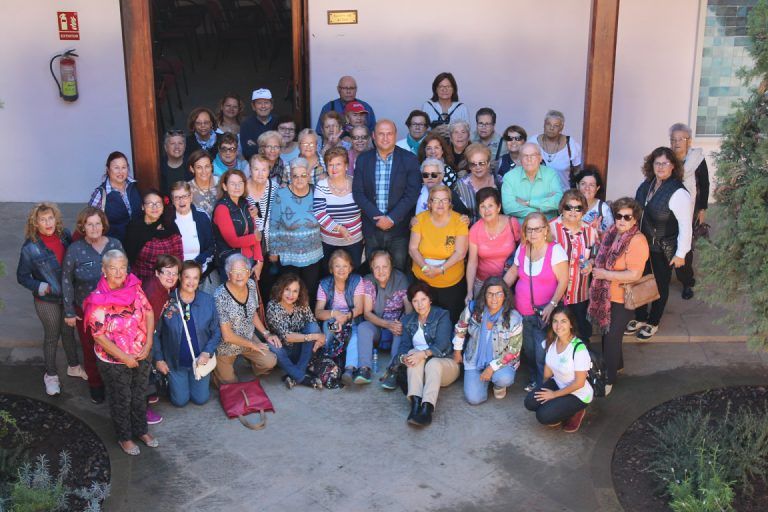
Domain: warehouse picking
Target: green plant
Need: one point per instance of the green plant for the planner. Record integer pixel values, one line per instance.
(11, 457)
(735, 256)
(702, 491)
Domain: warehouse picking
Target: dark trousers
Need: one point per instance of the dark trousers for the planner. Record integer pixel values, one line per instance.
(452, 299)
(51, 315)
(355, 251)
(685, 273)
(395, 245)
(310, 275)
(613, 355)
(89, 356)
(126, 390)
(555, 410)
(583, 326)
(533, 348)
(663, 273)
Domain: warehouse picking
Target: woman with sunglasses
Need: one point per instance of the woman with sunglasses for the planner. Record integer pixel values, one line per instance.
(579, 240)
(621, 259)
(514, 137)
(435, 146)
(540, 274)
(227, 157)
(479, 162)
(361, 141)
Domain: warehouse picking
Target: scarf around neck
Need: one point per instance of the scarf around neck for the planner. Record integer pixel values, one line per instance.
(103, 295)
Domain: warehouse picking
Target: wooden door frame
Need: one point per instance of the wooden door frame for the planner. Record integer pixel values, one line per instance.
(140, 83)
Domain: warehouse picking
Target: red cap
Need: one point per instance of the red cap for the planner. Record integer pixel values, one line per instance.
(355, 106)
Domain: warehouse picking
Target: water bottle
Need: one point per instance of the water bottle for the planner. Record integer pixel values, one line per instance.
(375, 361)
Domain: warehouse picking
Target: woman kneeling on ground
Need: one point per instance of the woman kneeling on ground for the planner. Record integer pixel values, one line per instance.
(292, 322)
(492, 352)
(189, 321)
(425, 350)
(565, 394)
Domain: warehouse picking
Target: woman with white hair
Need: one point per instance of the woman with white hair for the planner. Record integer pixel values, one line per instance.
(558, 151)
(459, 138)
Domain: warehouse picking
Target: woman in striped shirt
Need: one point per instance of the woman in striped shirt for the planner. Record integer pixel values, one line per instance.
(579, 240)
(336, 210)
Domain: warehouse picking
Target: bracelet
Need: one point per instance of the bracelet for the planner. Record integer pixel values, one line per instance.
(266, 333)
(424, 268)
(554, 304)
(442, 269)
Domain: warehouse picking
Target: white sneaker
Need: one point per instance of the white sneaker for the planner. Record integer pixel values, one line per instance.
(52, 386)
(499, 393)
(647, 332)
(633, 326)
(77, 371)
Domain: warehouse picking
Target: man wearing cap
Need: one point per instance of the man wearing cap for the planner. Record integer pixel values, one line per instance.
(417, 123)
(355, 114)
(385, 185)
(347, 92)
(260, 122)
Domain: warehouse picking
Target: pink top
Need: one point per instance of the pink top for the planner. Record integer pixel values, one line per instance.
(492, 254)
(339, 302)
(544, 283)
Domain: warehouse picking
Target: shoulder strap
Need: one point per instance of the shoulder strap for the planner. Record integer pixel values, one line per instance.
(568, 146)
(454, 109)
(573, 355)
(530, 278)
(433, 108)
(103, 199)
(498, 148)
(186, 329)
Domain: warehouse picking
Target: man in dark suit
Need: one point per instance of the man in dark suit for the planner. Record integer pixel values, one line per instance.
(386, 185)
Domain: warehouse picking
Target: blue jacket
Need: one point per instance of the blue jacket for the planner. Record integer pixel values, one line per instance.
(38, 264)
(328, 287)
(338, 106)
(404, 188)
(116, 212)
(437, 332)
(170, 333)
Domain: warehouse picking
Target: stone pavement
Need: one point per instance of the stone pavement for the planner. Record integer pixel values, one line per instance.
(350, 449)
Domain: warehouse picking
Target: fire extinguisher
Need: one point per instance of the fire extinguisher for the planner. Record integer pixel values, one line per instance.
(68, 72)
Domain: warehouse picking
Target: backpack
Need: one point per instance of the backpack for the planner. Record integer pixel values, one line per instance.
(596, 376)
(327, 362)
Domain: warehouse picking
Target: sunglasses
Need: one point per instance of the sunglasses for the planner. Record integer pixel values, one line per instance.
(516, 138)
(432, 175)
(624, 217)
(572, 208)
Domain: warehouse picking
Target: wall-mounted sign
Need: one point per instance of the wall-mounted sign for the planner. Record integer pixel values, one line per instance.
(69, 26)
(342, 17)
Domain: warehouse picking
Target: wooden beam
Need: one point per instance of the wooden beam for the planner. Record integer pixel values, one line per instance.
(140, 78)
(601, 64)
(299, 34)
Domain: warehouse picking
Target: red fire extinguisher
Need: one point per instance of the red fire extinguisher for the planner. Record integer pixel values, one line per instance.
(68, 72)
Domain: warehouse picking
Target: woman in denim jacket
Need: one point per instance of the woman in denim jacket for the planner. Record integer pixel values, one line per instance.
(425, 350)
(39, 271)
(492, 352)
(171, 352)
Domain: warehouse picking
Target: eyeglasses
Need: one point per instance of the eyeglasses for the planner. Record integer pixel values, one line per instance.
(227, 149)
(516, 138)
(536, 230)
(235, 184)
(680, 139)
(481, 163)
(271, 148)
(180, 197)
(240, 272)
(573, 208)
(485, 125)
(171, 133)
(297, 176)
(443, 200)
(624, 217)
(348, 88)
(444, 87)
(203, 123)
(534, 156)
(286, 130)
(360, 137)
(661, 164)
(432, 175)
(154, 204)
(418, 125)
(308, 144)
(494, 295)
(169, 273)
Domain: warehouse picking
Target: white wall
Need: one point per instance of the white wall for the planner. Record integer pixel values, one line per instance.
(522, 58)
(53, 149)
(655, 57)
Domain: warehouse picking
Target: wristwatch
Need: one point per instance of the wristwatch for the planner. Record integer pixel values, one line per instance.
(554, 304)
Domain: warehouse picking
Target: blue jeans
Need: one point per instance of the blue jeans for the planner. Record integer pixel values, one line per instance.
(184, 388)
(294, 358)
(367, 335)
(476, 391)
(533, 347)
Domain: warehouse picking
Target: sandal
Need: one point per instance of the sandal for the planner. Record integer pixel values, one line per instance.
(152, 443)
(133, 451)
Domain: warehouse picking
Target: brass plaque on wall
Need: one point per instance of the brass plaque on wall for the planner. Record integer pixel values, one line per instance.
(342, 17)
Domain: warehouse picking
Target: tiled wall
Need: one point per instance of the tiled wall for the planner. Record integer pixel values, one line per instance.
(723, 53)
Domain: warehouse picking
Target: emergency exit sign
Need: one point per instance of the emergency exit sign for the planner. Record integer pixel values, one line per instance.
(69, 26)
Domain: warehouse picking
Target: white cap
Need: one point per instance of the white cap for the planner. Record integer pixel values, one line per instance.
(261, 94)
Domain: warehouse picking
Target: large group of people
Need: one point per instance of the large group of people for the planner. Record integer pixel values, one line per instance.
(458, 252)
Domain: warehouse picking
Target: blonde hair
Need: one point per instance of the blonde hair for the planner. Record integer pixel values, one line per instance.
(30, 231)
(542, 218)
(440, 188)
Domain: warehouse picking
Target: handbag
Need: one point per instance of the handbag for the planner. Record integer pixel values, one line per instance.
(641, 292)
(200, 370)
(240, 399)
(538, 311)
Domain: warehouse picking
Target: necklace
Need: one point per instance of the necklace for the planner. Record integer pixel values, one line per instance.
(546, 147)
(339, 191)
(493, 236)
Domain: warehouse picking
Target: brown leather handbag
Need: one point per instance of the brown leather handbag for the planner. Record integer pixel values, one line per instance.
(641, 292)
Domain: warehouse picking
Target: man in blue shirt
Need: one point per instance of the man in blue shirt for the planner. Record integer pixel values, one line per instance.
(260, 122)
(347, 92)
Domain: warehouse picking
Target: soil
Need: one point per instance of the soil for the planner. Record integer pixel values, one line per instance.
(52, 430)
(639, 490)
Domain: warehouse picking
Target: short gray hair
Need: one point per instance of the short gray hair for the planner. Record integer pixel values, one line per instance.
(234, 259)
(456, 124)
(306, 132)
(681, 127)
(433, 162)
(299, 163)
(269, 134)
(112, 254)
(555, 114)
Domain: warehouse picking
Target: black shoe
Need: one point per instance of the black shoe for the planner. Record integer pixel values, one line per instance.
(687, 293)
(389, 381)
(97, 395)
(363, 375)
(424, 417)
(415, 408)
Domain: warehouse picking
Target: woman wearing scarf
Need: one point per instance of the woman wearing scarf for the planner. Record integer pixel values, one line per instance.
(491, 353)
(121, 321)
(202, 131)
(150, 236)
(621, 259)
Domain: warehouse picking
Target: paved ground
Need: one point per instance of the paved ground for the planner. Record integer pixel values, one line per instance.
(350, 450)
